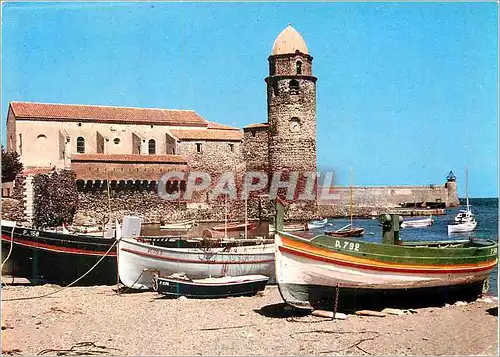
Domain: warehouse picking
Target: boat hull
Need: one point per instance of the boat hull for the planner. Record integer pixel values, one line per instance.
(425, 222)
(211, 288)
(138, 262)
(354, 232)
(462, 227)
(58, 258)
(187, 225)
(306, 273)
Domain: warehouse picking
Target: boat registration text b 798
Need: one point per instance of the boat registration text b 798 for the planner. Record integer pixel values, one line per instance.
(346, 245)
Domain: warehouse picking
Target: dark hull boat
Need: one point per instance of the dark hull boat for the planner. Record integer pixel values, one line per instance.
(212, 288)
(314, 273)
(352, 232)
(55, 257)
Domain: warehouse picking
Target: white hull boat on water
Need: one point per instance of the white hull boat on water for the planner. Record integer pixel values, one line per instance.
(318, 224)
(462, 227)
(138, 262)
(465, 218)
(418, 223)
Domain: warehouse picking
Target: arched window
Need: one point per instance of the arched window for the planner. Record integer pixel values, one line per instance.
(80, 145)
(152, 147)
(41, 137)
(299, 67)
(294, 87)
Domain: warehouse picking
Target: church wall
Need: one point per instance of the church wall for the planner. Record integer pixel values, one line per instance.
(48, 154)
(255, 149)
(216, 156)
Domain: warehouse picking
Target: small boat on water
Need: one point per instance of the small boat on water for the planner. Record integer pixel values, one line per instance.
(418, 223)
(347, 232)
(185, 225)
(317, 224)
(289, 227)
(311, 272)
(462, 227)
(465, 220)
(180, 285)
(234, 226)
(57, 257)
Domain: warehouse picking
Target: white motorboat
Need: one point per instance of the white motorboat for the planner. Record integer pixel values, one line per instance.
(317, 224)
(418, 223)
(462, 227)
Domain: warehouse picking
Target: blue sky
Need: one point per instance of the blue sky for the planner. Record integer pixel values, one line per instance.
(405, 92)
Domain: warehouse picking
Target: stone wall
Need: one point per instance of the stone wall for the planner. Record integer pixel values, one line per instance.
(215, 156)
(368, 201)
(123, 171)
(13, 207)
(255, 149)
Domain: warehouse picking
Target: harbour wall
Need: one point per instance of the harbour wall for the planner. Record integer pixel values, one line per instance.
(373, 200)
(95, 206)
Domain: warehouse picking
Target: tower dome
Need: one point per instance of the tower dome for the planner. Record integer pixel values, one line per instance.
(289, 41)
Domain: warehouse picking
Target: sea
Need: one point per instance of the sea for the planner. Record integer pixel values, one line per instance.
(484, 209)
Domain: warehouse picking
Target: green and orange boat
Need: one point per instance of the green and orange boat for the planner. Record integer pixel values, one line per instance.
(326, 272)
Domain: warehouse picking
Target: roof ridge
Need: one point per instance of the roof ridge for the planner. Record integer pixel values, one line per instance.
(103, 106)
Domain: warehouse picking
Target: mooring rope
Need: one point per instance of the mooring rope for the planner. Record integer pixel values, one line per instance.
(336, 303)
(67, 286)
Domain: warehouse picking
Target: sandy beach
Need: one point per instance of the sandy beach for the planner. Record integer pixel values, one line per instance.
(97, 320)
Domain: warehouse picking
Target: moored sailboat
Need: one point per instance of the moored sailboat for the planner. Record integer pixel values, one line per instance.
(465, 220)
(348, 230)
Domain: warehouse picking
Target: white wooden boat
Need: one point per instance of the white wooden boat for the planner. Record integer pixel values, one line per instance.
(186, 225)
(462, 227)
(317, 224)
(289, 228)
(418, 223)
(137, 262)
(310, 272)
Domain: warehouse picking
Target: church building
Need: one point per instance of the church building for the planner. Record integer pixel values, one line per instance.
(108, 143)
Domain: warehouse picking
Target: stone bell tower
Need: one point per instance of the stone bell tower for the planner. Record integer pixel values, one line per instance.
(291, 106)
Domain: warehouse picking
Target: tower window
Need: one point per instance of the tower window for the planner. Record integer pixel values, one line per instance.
(198, 147)
(294, 87)
(231, 147)
(152, 147)
(299, 67)
(80, 145)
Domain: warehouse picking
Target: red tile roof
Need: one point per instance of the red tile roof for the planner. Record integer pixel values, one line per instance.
(210, 134)
(256, 125)
(106, 114)
(124, 158)
(36, 170)
(212, 125)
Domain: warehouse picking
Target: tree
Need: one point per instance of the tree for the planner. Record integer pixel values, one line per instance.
(55, 198)
(11, 165)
